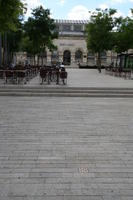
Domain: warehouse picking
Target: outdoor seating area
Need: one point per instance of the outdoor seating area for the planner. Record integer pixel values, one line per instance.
(24, 74)
(123, 66)
(118, 72)
(53, 74)
(18, 74)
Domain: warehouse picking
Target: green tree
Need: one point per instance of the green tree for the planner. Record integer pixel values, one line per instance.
(41, 30)
(124, 34)
(99, 32)
(11, 12)
(13, 44)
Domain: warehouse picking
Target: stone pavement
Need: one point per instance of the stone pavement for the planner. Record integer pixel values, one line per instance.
(89, 78)
(64, 148)
(67, 148)
(84, 78)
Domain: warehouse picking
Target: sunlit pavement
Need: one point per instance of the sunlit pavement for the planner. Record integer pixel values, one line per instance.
(66, 148)
(81, 78)
(89, 78)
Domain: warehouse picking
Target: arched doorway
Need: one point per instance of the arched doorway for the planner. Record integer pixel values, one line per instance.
(67, 57)
(79, 56)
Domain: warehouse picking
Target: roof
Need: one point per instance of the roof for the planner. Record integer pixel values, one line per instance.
(62, 21)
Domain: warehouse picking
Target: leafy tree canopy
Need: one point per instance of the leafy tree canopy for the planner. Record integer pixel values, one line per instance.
(124, 34)
(41, 29)
(99, 30)
(11, 12)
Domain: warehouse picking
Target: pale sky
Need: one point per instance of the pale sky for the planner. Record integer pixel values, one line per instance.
(78, 9)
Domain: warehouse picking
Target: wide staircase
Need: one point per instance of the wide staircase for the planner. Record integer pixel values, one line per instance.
(59, 91)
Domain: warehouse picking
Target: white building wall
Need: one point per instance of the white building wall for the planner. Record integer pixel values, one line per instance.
(71, 44)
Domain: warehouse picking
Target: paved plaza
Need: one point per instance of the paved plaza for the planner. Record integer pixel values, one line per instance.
(82, 78)
(67, 148)
(89, 78)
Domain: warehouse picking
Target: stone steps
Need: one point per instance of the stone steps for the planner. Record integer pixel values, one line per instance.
(66, 92)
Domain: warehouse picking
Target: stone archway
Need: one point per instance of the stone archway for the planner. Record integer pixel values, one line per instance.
(67, 57)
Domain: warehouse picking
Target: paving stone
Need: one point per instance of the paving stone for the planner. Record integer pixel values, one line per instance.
(66, 148)
(89, 78)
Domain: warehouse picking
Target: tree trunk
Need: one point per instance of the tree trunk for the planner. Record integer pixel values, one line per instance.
(99, 62)
(0, 50)
(12, 58)
(42, 60)
(116, 62)
(38, 58)
(5, 49)
(34, 60)
(8, 54)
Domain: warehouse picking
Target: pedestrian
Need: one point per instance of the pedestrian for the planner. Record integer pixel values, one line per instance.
(62, 67)
(99, 65)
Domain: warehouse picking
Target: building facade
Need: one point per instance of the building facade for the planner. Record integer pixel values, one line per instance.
(71, 46)
(71, 43)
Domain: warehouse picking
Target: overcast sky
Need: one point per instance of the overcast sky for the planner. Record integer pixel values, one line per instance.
(78, 9)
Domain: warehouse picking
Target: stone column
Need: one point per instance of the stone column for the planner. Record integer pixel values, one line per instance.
(72, 58)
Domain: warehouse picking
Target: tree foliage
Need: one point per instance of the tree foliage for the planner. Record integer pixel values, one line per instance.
(99, 31)
(124, 34)
(11, 11)
(106, 32)
(41, 30)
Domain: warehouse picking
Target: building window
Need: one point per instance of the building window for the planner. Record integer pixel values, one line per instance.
(90, 56)
(67, 57)
(103, 55)
(54, 56)
(43, 54)
(66, 27)
(57, 28)
(78, 56)
(77, 28)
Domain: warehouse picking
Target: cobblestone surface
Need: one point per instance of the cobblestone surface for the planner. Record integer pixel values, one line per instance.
(66, 148)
